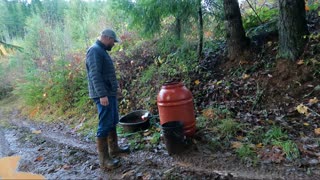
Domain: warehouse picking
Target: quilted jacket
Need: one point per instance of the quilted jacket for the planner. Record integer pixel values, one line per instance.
(101, 74)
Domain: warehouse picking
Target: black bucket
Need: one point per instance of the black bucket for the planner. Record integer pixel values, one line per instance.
(174, 137)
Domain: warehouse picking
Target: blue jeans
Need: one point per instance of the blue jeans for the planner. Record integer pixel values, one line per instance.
(108, 116)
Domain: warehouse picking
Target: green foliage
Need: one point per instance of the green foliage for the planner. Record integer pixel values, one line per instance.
(247, 155)
(265, 14)
(245, 151)
(264, 21)
(213, 117)
(201, 122)
(228, 127)
(154, 12)
(215, 144)
(5, 86)
(275, 134)
(149, 74)
(313, 60)
(12, 18)
(62, 87)
(256, 135)
(313, 5)
(155, 138)
(179, 64)
(147, 139)
(32, 90)
(80, 22)
(289, 148)
(214, 15)
(146, 66)
(53, 11)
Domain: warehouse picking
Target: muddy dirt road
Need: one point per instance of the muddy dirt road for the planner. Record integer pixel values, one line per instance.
(57, 153)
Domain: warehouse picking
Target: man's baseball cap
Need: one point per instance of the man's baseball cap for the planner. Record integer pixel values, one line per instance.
(110, 33)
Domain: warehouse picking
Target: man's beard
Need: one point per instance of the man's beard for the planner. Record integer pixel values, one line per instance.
(109, 48)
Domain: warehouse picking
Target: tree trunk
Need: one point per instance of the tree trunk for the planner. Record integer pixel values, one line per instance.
(237, 41)
(292, 28)
(200, 29)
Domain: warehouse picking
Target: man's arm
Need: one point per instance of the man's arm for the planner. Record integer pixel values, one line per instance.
(94, 62)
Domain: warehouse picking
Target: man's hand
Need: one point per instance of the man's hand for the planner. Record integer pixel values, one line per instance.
(104, 101)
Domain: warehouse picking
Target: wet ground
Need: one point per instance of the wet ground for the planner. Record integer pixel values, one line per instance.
(57, 153)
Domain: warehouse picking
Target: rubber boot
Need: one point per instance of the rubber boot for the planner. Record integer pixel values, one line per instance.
(106, 162)
(114, 148)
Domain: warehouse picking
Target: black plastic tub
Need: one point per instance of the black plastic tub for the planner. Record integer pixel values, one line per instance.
(134, 122)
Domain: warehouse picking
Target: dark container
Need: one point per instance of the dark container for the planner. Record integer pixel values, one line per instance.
(134, 122)
(174, 102)
(174, 137)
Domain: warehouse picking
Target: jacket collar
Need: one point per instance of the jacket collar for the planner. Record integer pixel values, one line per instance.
(99, 43)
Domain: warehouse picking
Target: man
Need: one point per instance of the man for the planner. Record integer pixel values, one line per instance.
(103, 87)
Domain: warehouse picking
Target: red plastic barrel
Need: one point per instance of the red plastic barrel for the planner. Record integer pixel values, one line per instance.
(175, 103)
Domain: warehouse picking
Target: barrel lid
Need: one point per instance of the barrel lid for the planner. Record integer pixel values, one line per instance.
(171, 84)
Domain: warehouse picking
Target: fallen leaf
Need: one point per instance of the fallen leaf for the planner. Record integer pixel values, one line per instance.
(245, 76)
(306, 124)
(236, 145)
(306, 7)
(239, 138)
(36, 131)
(208, 113)
(66, 167)
(243, 62)
(39, 158)
(300, 62)
(197, 82)
(313, 101)
(219, 82)
(302, 109)
(317, 131)
(260, 145)
(147, 133)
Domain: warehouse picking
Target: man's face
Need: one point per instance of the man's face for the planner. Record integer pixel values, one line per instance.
(109, 42)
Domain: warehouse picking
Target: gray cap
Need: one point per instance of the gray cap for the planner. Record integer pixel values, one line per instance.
(110, 33)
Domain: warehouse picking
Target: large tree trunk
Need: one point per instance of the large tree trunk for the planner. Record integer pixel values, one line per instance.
(292, 28)
(236, 38)
(200, 29)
